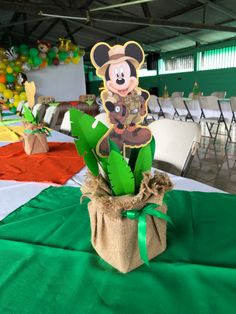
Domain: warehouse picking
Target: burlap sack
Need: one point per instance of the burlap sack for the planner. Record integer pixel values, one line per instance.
(115, 238)
(34, 143)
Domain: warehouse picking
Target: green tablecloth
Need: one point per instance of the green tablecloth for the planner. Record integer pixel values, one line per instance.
(48, 265)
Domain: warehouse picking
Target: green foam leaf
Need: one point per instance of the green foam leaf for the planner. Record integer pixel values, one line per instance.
(28, 115)
(143, 164)
(89, 131)
(120, 175)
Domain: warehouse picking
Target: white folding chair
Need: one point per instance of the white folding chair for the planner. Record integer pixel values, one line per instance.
(49, 115)
(232, 122)
(102, 117)
(36, 109)
(211, 114)
(20, 106)
(167, 109)
(154, 108)
(181, 109)
(219, 94)
(66, 125)
(176, 142)
(177, 94)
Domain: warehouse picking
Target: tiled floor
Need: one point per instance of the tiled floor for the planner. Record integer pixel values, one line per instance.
(215, 165)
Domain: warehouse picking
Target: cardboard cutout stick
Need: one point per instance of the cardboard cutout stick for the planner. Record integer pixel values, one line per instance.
(124, 102)
(30, 90)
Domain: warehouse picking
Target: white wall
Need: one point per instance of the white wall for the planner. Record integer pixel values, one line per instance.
(64, 82)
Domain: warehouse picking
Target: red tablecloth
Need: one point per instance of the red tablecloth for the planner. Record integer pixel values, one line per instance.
(56, 166)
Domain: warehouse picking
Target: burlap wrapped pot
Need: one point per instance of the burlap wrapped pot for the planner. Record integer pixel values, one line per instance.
(115, 238)
(34, 143)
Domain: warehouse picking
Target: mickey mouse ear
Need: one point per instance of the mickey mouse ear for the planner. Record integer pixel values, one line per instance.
(135, 51)
(99, 54)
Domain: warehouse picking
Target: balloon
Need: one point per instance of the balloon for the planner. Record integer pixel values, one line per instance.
(2, 78)
(33, 52)
(62, 55)
(17, 69)
(37, 61)
(8, 93)
(49, 61)
(2, 65)
(44, 64)
(22, 96)
(75, 53)
(51, 54)
(17, 97)
(68, 60)
(24, 50)
(18, 63)
(19, 88)
(2, 87)
(23, 58)
(10, 78)
(9, 70)
(55, 61)
(76, 60)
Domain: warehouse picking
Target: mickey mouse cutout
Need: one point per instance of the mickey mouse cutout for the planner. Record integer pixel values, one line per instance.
(124, 102)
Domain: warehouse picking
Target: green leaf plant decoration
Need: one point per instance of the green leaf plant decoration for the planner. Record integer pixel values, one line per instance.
(28, 115)
(120, 174)
(143, 162)
(89, 133)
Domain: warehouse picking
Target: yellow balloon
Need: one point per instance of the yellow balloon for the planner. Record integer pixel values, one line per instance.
(68, 60)
(9, 70)
(23, 58)
(17, 97)
(75, 60)
(8, 93)
(2, 66)
(2, 87)
(16, 102)
(18, 63)
(18, 88)
(22, 96)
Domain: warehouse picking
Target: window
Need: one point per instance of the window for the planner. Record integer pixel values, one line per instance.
(176, 65)
(217, 59)
(145, 72)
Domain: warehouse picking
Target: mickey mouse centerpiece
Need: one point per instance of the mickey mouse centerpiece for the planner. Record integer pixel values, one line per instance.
(124, 102)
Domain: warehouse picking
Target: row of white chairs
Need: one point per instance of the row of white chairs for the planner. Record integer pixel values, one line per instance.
(209, 111)
(190, 95)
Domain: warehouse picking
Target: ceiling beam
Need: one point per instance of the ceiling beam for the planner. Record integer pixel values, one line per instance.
(219, 8)
(146, 10)
(155, 22)
(68, 30)
(119, 5)
(49, 28)
(26, 21)
(35, 27)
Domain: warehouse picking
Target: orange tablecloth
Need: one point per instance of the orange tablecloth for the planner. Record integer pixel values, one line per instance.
(56, 166)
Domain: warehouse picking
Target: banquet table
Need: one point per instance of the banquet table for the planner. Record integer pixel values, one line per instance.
(49, 266)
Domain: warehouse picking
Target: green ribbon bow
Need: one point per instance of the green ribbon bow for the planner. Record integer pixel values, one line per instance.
(42, 130)
(140, 215)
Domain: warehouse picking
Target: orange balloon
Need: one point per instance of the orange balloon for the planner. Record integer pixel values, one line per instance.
(43, 64)
(2, 79)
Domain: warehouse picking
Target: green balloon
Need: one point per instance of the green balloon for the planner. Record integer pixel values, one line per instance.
(10, 78)
(17, 69)
(51, 54)
(50, 61)
(75, 54)
(33, 52)
(37, 61)
(24, 50)
(62, 55)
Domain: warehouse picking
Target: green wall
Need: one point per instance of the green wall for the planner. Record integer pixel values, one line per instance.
(208, 81)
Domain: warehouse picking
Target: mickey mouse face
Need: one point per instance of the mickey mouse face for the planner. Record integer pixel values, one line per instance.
(120, 80)
(118, 65)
